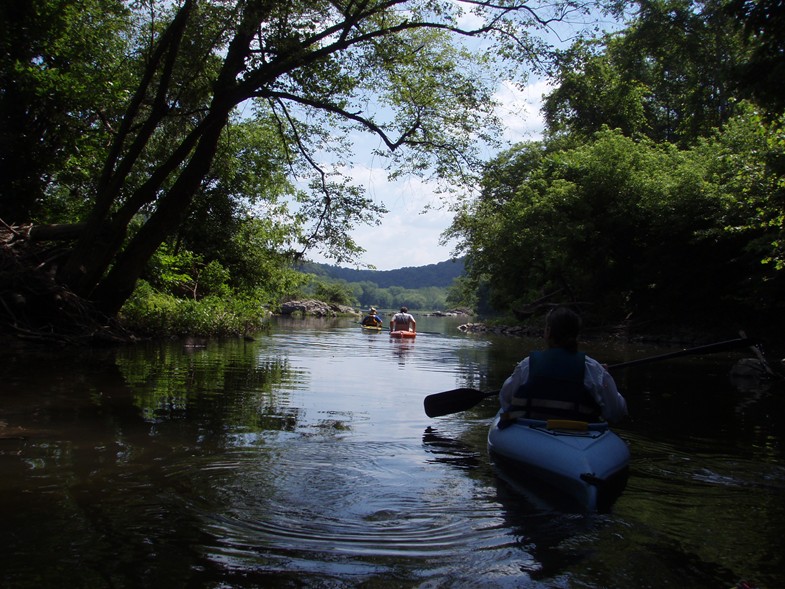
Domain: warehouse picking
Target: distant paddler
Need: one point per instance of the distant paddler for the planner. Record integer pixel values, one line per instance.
(403, 321)
(372, 319)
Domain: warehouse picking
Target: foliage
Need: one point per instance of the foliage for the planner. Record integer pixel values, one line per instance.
(631, 227)
(657, 193)
(441, 274)
(748, 160)
(160, 122)
(335, 292)
(185, 274)
(668, 75)
(368, 294)
(461, 295)
(64, 79)
(149, 312)
(760, 75)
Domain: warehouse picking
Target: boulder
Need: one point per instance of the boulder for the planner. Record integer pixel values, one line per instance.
(314, 308)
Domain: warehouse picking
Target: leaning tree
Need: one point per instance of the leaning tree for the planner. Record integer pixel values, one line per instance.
(417, 75)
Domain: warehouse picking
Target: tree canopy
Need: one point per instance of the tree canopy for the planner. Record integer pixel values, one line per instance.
(657, 192)
(149, 122)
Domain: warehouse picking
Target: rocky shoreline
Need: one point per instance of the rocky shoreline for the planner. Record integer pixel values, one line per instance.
(667, 336)
(315, 308)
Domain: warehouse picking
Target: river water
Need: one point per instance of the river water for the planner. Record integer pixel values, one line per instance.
(304, 459)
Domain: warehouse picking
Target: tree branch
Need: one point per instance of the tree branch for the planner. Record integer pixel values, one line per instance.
(335, 109)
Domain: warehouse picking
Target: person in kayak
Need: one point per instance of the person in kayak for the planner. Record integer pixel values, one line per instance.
(403, 321)
(561, 382)
(372, 319)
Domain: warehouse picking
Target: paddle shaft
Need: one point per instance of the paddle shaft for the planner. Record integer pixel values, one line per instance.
(707, 349)
(462, 399)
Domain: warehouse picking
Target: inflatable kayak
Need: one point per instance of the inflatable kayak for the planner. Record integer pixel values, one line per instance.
(586, 462)
(403, 334)
(372, 328)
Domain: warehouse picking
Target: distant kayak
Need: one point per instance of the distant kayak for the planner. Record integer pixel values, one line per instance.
(403, 334)
(372, 328)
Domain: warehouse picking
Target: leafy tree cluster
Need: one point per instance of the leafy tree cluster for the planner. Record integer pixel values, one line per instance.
(658, 191)
(198, 145)
(429, 298)
(429, 287)
(367, 294)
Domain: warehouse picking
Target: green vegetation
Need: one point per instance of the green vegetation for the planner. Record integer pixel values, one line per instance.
(657, 194)
(428, 287)
(441, 275)
(171, 164)
(218, 133)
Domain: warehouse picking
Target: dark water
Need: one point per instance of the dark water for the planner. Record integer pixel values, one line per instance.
(304, 459)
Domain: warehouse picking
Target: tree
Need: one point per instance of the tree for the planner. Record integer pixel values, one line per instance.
(336, 292)
(635, 228)
(594, 91)
(667, 75)
(318, 71)
(658, 191)
(63, 78)
(760, 76)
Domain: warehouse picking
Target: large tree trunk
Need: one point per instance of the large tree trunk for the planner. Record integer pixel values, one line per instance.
(119, 283)
(104, 231)
(103, 269)
(171, 208)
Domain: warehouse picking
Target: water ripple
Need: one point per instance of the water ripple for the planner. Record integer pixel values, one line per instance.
(362, 499)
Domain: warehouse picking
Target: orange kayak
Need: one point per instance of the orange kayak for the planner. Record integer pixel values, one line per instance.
(403, 334)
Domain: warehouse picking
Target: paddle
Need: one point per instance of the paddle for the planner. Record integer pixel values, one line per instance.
(462, 399)
(453, 401)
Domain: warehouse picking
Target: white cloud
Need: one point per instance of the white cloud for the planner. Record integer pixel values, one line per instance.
(519, 110)
(407, 236)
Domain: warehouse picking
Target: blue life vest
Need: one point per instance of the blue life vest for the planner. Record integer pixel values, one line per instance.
(555, 389)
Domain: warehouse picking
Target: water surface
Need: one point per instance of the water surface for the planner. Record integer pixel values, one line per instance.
(304, 459)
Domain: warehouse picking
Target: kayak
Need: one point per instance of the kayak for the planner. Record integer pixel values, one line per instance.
(586, 463)
(403, 334)
(372, 328)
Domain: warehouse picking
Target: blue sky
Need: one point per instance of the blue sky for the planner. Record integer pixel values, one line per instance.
(408, 236)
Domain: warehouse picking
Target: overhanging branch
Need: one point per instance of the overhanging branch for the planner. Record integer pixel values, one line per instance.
(335, 109)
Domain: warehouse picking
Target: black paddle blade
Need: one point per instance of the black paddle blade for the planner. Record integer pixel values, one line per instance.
(453, 401)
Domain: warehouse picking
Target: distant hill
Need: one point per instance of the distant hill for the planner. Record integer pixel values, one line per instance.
(441, 274)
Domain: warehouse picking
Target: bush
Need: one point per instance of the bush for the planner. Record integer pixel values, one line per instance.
(150, 313)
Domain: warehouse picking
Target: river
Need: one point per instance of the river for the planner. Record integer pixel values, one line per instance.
(304, 459)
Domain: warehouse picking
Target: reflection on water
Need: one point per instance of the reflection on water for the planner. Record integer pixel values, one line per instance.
(304, 459)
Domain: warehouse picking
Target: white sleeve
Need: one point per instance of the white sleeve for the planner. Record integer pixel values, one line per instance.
(603, 387)
(519, 376)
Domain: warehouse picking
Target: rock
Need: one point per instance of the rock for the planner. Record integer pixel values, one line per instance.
(314, 308)
(512, 330)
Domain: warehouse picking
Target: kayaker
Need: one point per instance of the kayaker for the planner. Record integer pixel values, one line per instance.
(403, 321)
(561, 382)
(372, 319)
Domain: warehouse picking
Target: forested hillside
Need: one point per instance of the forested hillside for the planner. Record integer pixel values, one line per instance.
(440, 275)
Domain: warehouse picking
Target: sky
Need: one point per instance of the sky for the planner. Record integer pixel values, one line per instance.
(409, 236)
